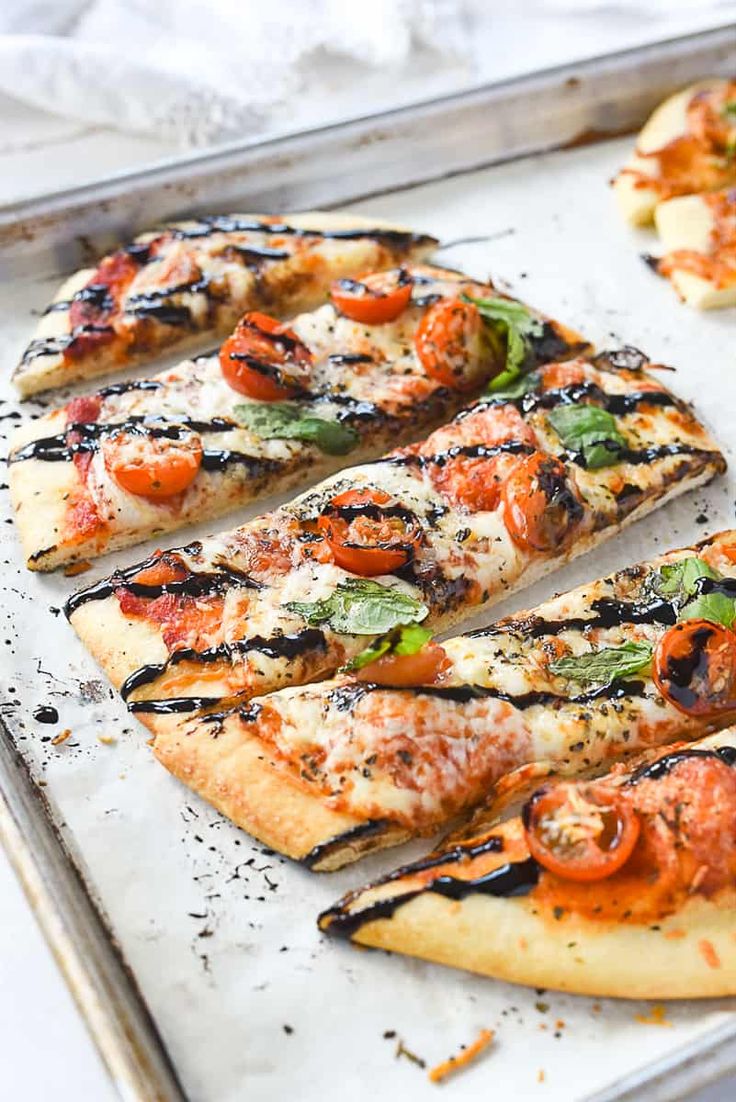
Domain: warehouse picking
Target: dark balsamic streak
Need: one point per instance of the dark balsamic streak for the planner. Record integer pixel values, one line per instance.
(513, 879)
(655, 770)
(195, 585)
(322, 850)
(637, 456)
(116, 389)
(346, 358)
(228, 224)
(608, 613)
(616, 404)
(174, 706)
(469, 451)
(286, 647)
(345, 697)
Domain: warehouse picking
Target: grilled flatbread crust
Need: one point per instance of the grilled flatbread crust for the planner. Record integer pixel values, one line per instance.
(698, 233)
(184, 285)
(684, 949)
(328, 772)
(368, 378)
(677, 153)
(218, 618)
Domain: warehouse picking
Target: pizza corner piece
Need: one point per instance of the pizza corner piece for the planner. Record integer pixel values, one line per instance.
(388, 358)
(414, 733)
(698, 233)
(186, 283)
(621, 886)
(517, 484)
(686, 146)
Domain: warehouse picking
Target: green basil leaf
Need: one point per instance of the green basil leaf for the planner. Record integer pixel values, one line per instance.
(361, 606)
(590, 431)
(286, 421)
(524, 384)
(716, 607)
(680, 583)
(729, 109)
(678, 580)
(518, 325)
(604, 666)
(405, 639)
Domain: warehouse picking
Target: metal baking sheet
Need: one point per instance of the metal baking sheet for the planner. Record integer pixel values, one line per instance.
(219, 933)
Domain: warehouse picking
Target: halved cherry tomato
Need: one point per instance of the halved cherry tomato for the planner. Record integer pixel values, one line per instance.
(580, 832)
(540, 507)
(694, 667)
(153, 466)
(453, 344)
(374, 299)
(368, 532)
(264, 359)
(403, 671)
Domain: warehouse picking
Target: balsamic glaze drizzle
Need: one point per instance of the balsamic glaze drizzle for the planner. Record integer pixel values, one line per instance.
(222, 223)
(278, 646)
(513, 879)
(616, 404)
(174, 706)
(214, 581)
(346, 697)
(655, 770)
(607, 613)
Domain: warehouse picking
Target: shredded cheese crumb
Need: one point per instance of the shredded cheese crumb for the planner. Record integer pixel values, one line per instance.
(61, 737)
(465, 1057)
(106, 740)
(75, 568)
(541, 1075)
(656, 1016)
(709, 954)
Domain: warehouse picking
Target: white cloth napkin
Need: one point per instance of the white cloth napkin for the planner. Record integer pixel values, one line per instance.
(199, 72)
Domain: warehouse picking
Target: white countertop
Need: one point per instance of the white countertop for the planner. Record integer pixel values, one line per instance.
(46, 1051)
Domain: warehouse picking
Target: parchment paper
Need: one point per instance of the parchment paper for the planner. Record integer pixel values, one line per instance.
(252, 1002)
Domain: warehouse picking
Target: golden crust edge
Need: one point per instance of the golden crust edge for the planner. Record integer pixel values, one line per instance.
(100, 621)
(198, 761)
(36, 378)
(507, 940)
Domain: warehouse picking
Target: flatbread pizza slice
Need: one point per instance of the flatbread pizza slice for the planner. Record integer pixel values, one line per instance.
(279, 404)
(510, 489)
(685, 147)
(186, 284)
(699, 237)
(418, 732)
(622, 886)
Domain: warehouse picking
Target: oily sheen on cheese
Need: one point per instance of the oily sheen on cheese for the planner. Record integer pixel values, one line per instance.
(395, 762)
(217, 617)
(658, 926)
(188, 282)
(366, 378)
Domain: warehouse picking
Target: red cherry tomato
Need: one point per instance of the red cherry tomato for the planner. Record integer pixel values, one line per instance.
(264, 359)
(403, 671)
(694, 668)
(368, 533)
(580, 832)
(453, 344)
(156, 467)
(540, 507)
(374, 299)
